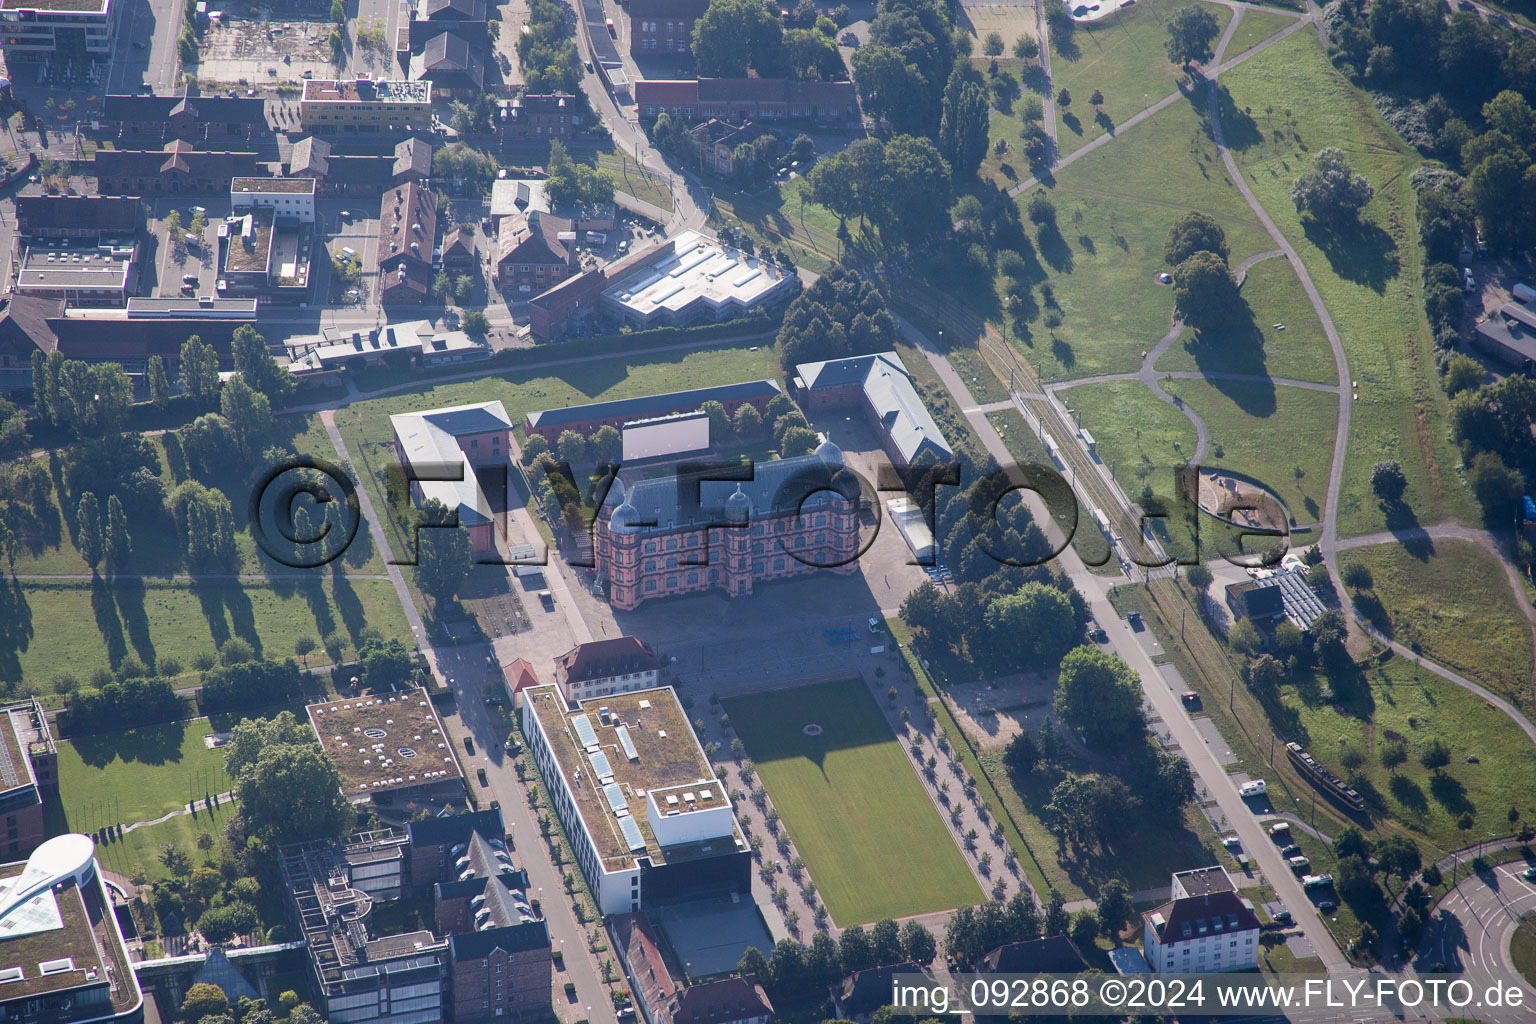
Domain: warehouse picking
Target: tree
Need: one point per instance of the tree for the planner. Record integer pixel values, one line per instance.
(1356, 574)
(736, 35)
(1496, 486)
(1265, 675)
(1244, 638)
(1035, 623)
(1199, 578)
(1388, 481)
(719, 420)
(224, 922)
(748, 422)
(571, 446)
(1026, 48)
(890, 88)
(93, 399)
(118, 548)
(173, 228)
(1351, 842)
(203, 1000)
(917, 943)
(812, 56)
(963, 122)
(1393, 755)
(797, 441)
(475, 324)
(249, 413)
(913, 166)
(463, 288)
(1462, 373)
(607, 444)
(1191, 31)
(303, 647)
(385, 664)
(442, 286)
(90, 538)
(292, 792)
(254, 361)
(1331, 192)
(992, 46)
(40, 387)
(1204, 291)
(199, 370)
(443, 558)
(1063, 98)
(159, 383)
(1194, 232)
(1096, 99)
(1085, 927)
(1097, 694)
(1115, 907)
(1410, 926)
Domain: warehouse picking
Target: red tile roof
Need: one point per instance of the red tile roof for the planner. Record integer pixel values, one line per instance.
(1218, 913)
(619, 655)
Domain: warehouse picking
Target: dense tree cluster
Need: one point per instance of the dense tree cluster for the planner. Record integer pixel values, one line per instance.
(287, 786)
(963, 122)
(128, 698)
(546, 50)
(737, 36)
(443, 551)
(1492, 426)
(251, 683)
(570, 182)
(794, 971)
(973, 932)
(901, 73)
(1331, 192)
(881, 181)
(840, 315)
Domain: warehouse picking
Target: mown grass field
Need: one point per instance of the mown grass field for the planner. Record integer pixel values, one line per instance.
(81, 627)
(1286, 104)
(1253, 28)
(1246, 421)
(630, 177)
(1113, 211)
(1450, 600)
(137, 775)
(776, 216)
(1295, 350)
(139, 850)
(1123, 57)
(854, 808)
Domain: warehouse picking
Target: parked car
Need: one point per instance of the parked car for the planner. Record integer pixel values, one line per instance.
(1291, 851)
(1231, 842)
(1280, 830)
(1529, 874)
(1283, 917)
(1191, 699)
(189, 279)
(1254, 788)
(469, 746)
(1327, 906)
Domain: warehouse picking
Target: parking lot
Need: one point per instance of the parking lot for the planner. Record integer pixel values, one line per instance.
(358, 231)
(171, 261)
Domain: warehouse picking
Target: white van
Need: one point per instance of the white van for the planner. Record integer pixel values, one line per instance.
(1254, 788)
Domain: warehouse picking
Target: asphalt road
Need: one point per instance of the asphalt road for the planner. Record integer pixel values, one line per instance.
(1470, 933)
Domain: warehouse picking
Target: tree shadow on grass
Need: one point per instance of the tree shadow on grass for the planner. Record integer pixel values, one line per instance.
(130, 606)
(1373, 611)
(227, 608)
(1104, 122)
(1410, 794)
(1063, 352)
(1236, 347)
(1054, 248)
(1238, 129)
(348, 605)
(1071, 122)
(1404, 523)
(1359, 252)
(15, 629)
(151, 745)
(1451, 794)
(319, 605)
(107, 621)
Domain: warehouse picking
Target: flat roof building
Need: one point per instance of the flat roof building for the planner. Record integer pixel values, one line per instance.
(584, 419)
(647, 819)
(365, 105)
(413, 343)
(390, 750)
(29, 775)
(693, 279)
(266, 255)
(81, 272)
(1205, 927)
(288, 198)
(36, 29)
(62, 956)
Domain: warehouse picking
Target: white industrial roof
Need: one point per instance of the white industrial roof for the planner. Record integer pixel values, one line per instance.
(698, 268)
(430, 439)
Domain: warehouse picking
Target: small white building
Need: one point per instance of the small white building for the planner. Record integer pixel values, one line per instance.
(618, 664)
(1204, 929)
(288, 198)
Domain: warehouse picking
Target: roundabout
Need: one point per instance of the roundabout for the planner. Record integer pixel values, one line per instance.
(1471, 930)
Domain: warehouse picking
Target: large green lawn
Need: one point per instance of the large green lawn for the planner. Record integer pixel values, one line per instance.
(80, 627)
(1281, 338)
(1124, 58)
(1113, 210)
(1254, 28)
(1450, 600)
(853, 806)
(1491, 760)
(138, 775)
(139, 850)
(1245, 419)
(1285, 105)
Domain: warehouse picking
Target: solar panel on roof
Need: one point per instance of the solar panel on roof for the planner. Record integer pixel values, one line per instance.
(600, 764)
(615, 797)
(627, 744)
(632, 834)
(584, 731)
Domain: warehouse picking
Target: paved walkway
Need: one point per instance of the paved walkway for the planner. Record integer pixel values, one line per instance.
(222, 798)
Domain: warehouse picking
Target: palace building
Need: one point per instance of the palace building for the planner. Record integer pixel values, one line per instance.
(688, 534)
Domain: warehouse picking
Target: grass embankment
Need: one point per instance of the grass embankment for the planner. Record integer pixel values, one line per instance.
(1285, 105)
